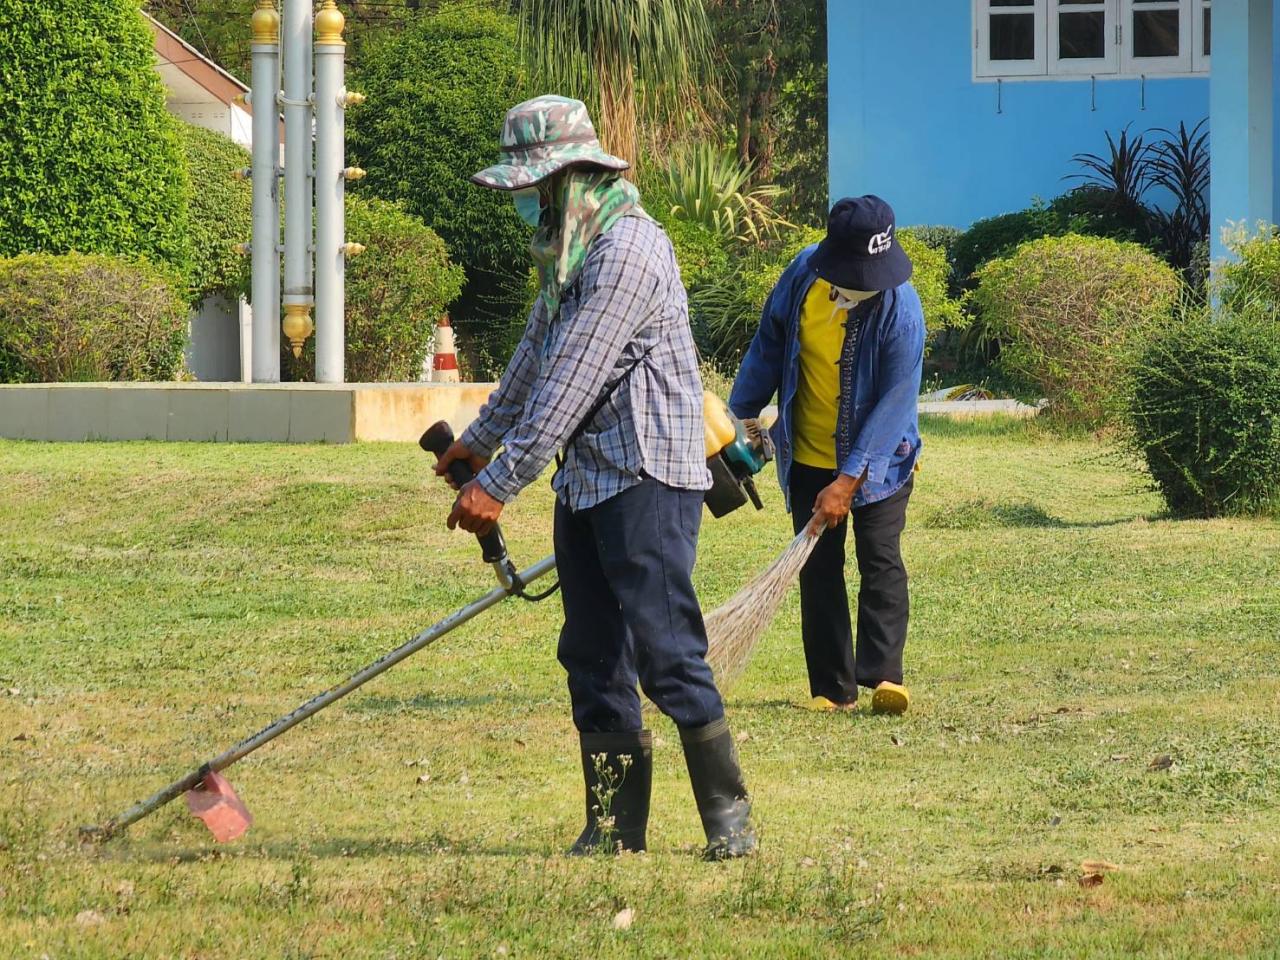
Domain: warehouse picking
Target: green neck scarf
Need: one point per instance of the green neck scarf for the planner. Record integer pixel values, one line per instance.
(583, 204)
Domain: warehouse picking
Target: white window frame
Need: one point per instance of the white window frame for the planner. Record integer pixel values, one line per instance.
(983, 65)
(1150, 66)
(1199, 59)
(1108, 64)
(1119, 62)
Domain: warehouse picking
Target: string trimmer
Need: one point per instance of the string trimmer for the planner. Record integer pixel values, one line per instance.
(212, 798)
(735, 454)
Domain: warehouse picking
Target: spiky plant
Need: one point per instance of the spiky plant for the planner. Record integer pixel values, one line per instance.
(712, 187)
(627, 59)
(1180, 164)
(1126, 172)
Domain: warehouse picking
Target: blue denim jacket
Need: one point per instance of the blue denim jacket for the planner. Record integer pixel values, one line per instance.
(880, 366)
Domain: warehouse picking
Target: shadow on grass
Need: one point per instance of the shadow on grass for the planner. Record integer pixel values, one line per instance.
(986, 515)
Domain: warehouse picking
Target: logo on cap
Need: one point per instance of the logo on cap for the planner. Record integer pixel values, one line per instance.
(881, 242)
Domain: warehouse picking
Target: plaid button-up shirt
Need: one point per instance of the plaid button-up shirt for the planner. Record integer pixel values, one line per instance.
(627, 305)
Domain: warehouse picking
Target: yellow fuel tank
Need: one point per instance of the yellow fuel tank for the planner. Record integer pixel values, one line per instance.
(717, 424)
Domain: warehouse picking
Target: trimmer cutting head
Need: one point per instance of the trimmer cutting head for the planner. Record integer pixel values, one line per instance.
(215, 802)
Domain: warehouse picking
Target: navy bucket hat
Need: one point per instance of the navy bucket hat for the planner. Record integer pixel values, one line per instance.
(861, 250)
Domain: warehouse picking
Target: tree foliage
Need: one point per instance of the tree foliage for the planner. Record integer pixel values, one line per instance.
(438, 92)
(89, 157)
(638, 61)
(396, 292)
(220, 214)
(776, 85)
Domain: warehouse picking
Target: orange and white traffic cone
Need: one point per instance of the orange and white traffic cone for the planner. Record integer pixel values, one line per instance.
(444, 368)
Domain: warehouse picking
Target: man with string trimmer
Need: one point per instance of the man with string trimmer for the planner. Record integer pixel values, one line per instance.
(607, 373)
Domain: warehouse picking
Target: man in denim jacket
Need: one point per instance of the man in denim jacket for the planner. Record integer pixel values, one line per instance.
(841, 342)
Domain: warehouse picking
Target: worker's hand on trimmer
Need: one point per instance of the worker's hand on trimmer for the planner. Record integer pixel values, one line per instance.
(474, 510)
(459, 451)
(833, 503)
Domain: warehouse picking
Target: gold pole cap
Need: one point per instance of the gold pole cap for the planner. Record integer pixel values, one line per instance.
(352, 99)
(265, 22)
(355, 173)
(353, 249)
(329, 24)
(297, 326)
(244, 249)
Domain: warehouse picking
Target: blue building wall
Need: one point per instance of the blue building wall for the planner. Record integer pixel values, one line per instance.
(908, 122)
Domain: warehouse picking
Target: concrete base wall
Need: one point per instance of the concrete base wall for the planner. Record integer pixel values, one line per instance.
(270, 413)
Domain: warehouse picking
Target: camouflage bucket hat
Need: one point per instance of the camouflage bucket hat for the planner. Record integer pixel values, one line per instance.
(541, 137)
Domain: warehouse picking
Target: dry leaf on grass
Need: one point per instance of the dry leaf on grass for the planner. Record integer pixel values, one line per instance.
(1162, 762)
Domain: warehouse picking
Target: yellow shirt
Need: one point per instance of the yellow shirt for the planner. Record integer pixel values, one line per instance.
(821, 338)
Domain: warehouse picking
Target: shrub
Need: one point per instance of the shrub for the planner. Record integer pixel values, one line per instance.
(701, 254)
(438, 91)
(78, 317)
(89, 158)
(931, 277)
(1255, 273)
(396, 291)
(220, 214)
(1204, 411)
(1067, 309)
(996, 236)
(1096, 212)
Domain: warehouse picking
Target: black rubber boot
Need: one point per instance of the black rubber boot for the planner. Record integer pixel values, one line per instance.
(719, 791)
(618, 792)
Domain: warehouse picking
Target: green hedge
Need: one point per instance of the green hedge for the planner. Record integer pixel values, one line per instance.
(1204, 408)
(1088, 211)
(89, 157)
(89, 317)
(1068, 311)
(396, 292)
(220, 214)
(438, 91)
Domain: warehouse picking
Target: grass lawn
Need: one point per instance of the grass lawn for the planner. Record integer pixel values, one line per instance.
(160, 601)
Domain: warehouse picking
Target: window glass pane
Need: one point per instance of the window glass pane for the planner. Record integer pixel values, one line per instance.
(1082, 36)
(1155, 33)
(1013, 3)
(1013, 36)
(1208, 23)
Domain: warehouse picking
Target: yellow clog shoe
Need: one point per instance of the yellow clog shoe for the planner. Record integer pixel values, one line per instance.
(890, 698)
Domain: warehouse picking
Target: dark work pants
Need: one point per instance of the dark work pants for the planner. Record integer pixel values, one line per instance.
(630, 611)
(835, 671)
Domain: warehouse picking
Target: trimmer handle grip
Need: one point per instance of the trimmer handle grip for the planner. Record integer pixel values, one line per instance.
(437, 439)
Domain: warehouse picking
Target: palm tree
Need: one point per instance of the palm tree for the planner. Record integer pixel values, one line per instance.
(628, 59)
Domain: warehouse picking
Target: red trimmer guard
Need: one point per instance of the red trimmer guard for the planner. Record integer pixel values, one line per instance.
(215, 802)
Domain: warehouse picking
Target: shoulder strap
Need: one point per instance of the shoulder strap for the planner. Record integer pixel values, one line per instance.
(599, 404)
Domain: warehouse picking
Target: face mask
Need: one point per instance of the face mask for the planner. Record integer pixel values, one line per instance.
(845, 298)
(528, 205)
